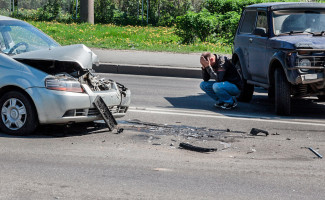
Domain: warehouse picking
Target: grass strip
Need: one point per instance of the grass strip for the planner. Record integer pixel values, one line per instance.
(110, 36)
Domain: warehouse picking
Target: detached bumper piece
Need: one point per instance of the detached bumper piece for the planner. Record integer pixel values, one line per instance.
(105, 112)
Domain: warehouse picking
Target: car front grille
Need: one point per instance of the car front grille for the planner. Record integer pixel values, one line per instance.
(93, 111)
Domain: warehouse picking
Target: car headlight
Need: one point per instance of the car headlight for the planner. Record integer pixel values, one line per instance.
(304, 63)
(67, 85)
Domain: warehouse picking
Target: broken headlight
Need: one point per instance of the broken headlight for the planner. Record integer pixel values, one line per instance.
(63, 84)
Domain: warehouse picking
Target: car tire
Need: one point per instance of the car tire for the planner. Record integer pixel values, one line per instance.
(282, 93)
(18, 115)
(246, 93)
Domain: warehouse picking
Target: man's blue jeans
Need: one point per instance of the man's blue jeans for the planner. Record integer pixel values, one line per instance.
(223, 92)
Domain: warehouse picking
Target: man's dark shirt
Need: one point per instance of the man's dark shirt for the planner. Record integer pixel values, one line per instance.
(223, 70)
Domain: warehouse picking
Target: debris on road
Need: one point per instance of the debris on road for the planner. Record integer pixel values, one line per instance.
(105, 112)
(196, 148)
(251, 151)
(120, 130)
(225, 145)
(315, 152)
(188, 132)
(256, 131)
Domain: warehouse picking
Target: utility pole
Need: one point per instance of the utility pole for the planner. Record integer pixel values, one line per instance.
(87, 11)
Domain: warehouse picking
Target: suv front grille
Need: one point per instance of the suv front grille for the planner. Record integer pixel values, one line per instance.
(312, 59)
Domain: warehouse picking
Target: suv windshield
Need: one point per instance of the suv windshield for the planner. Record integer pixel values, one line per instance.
(297, 21)
(19, 37)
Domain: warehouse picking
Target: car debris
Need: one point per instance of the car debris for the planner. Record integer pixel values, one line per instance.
(120, 130)
(315, 152)
(105, 112)
(251, 151)
(256, 131)
(196, 148)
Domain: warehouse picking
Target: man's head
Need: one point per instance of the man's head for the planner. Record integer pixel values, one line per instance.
(210, 57)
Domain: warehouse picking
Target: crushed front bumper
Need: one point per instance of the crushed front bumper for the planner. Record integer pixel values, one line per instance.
(58, 107)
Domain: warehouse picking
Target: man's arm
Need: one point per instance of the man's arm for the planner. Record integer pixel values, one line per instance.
(207, 71)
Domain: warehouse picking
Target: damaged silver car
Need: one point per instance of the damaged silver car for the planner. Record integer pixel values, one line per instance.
(42, 82)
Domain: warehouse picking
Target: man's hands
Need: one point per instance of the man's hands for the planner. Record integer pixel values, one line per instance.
(204, 62)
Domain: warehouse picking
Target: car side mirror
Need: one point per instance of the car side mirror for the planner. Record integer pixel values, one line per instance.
(260, 31)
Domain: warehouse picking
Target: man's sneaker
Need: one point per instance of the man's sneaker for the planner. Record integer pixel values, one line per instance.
(227, 106)
(235, 102)
(218, 105)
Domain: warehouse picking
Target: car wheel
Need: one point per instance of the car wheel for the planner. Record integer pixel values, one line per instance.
(246, 93)
(282, 93)
(18, 115)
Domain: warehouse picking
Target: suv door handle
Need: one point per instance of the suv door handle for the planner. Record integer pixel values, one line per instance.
(250, 40)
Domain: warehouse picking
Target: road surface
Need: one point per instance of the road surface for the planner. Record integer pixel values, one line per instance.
(145, 162)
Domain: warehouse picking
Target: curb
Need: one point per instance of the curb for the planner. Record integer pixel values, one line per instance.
(148, 70)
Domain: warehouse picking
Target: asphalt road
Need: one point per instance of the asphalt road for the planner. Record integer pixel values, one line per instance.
(144, 162)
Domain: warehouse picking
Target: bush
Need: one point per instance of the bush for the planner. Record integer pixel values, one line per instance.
(104, 11)
(193, 25)
(185, 27)
(227, 25)
(217, 21)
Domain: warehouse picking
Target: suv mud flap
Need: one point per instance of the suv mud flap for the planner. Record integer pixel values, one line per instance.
(105, 112)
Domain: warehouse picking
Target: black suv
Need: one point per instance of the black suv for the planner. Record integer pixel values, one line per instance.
(281, 47)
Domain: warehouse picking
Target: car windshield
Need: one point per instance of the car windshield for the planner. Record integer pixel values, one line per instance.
(19, 37)
(298, 21)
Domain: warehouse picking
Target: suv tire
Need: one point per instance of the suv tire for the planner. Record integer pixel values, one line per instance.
(282, 93)
(321, 97)
(247, 90)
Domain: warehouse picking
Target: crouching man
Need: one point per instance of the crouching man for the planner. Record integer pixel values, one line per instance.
(226, 83)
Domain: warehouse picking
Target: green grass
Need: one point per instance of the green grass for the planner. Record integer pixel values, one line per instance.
(124, 37)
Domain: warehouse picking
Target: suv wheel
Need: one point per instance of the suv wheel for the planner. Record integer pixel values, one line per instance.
(247, 90)
(282, 93)
(18, 116)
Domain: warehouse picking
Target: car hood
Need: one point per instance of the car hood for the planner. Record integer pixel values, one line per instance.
(298, 41)
(79, 54)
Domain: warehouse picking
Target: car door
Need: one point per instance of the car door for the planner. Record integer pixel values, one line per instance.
(245, 32)
(257, 49)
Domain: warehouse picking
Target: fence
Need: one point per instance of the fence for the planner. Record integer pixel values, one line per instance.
(9, 6)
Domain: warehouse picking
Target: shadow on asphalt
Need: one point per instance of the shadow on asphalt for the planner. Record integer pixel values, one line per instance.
(48, 131)
(260, 105)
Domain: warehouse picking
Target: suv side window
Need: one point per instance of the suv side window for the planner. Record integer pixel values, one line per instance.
(262, 21)
(248, 22)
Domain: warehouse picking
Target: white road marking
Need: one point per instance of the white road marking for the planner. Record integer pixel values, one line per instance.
(208, 114)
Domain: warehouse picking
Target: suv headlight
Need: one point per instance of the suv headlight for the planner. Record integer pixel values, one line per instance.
(304, 63)
(67, 85)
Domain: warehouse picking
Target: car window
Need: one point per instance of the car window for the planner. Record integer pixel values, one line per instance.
(262, 21)
(2, 43)
(19, 37)
(287, 21)
(248, 24)
(20, 34)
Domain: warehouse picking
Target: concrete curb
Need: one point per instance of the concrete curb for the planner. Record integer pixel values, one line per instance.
(148, 70)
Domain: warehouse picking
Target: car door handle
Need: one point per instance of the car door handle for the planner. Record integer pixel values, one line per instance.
(250, 40)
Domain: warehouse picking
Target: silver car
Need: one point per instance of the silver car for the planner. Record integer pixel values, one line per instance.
(42, 82)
